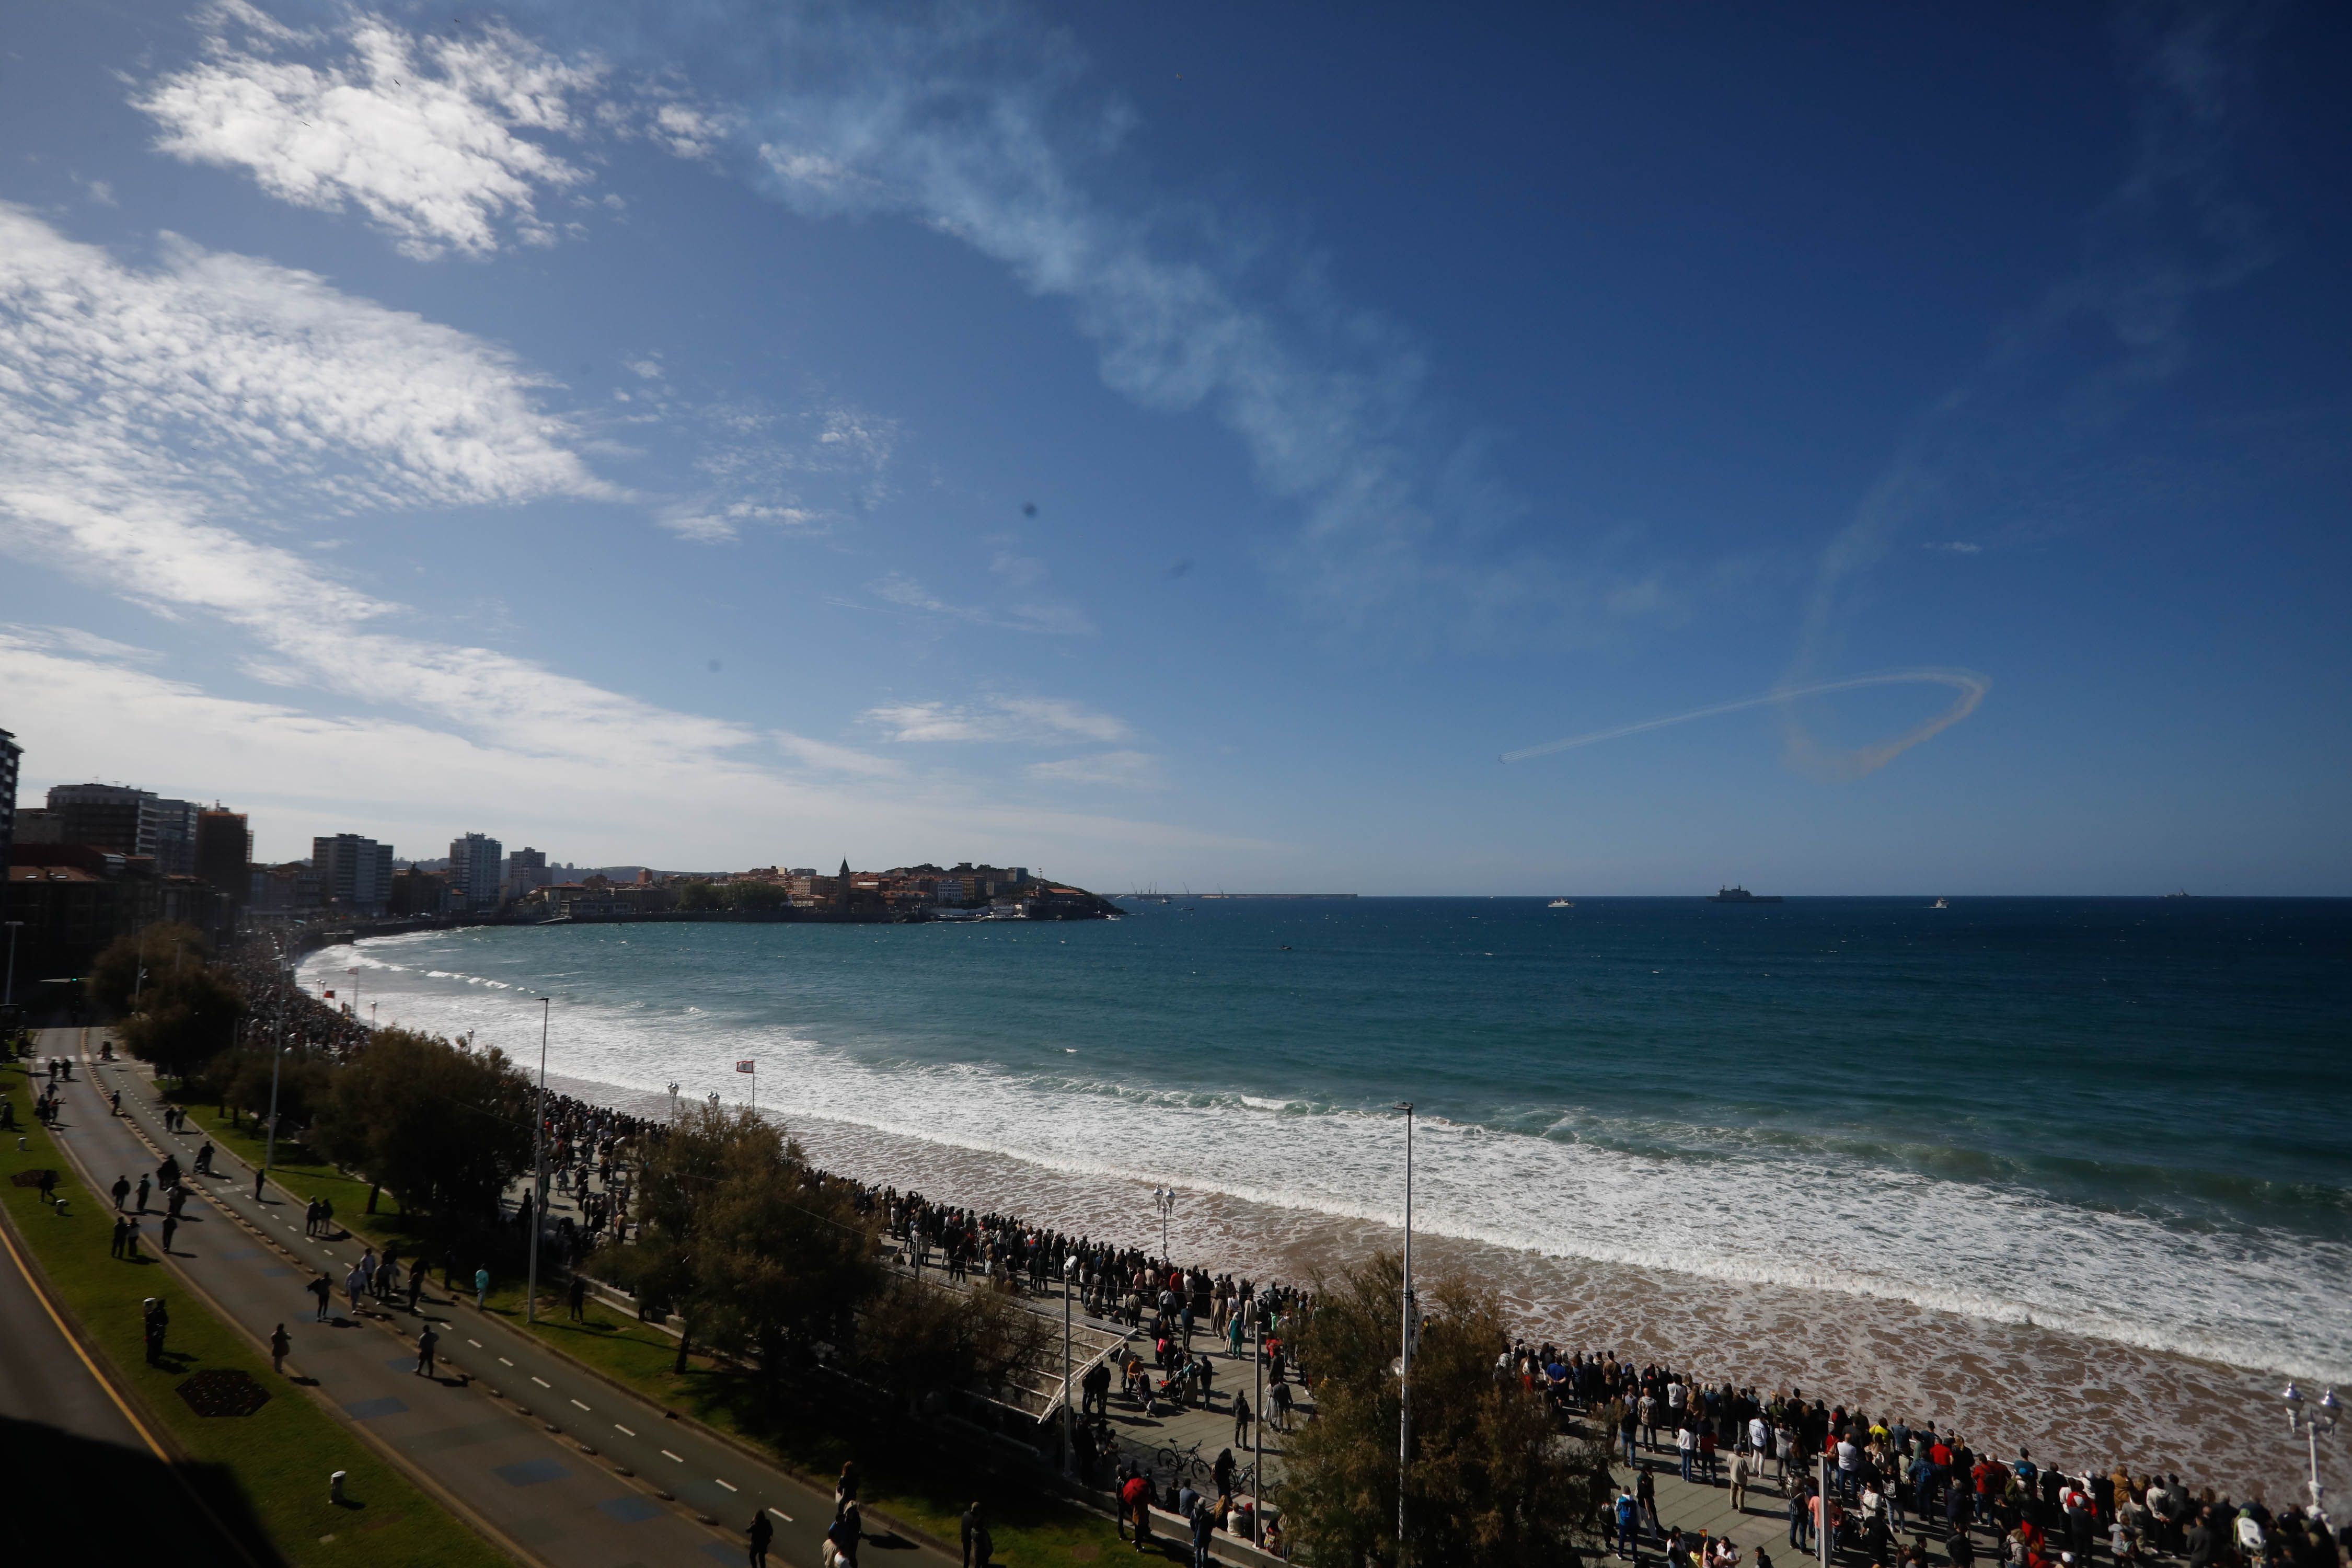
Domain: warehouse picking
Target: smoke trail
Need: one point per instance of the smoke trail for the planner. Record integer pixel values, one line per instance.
(1971, 689)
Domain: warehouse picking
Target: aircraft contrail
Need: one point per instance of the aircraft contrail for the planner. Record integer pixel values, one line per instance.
(1970, 685)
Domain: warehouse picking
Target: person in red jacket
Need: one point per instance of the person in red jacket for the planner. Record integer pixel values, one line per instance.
(1135, 1502)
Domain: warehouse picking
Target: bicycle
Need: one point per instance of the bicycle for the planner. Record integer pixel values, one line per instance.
(1181, 1464)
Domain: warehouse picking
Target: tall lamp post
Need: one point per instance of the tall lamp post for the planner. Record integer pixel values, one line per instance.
(9, 999)
(538, 1168)
(2312, 1424)
(1069, 1423)
(1164, 1200)
(1407, 1332)
(277, 1060)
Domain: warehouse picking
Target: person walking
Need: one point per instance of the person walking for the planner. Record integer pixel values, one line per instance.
(280, 1343)
(121, 1230)
(121, 1190)
(354, 1284)
(1204, 1526)
(973, 1531)
(415, 1284)
(482, 1287)
(323, 1289)
(762, 1533)
(143, 1185)
(158, 1320)
(1739, 1468)
(576, 1300)
(171, 1227)
(425, 1340)
(130, 1240)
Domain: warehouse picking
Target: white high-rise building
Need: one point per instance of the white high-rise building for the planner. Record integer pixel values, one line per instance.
(474, 863)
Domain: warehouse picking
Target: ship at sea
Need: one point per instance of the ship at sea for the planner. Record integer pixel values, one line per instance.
(1742, 896)
(1561, 904)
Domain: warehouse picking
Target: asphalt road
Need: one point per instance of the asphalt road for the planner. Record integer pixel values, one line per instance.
(562, 1466)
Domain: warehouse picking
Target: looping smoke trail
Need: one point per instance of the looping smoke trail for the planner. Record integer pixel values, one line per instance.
(1969, 686)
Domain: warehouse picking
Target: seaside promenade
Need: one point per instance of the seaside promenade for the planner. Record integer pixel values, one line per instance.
(553, 1463)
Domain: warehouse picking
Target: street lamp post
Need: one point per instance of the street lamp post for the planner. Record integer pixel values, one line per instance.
(277, 1060)
(1405, 1338)
(1164, 1199)
(9, 999)
(538, 1168)
(1069, 1424)
(2312, 1424)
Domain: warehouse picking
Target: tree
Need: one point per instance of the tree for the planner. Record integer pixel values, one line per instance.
(240, 1078)
(1492, 1480)
(166, 949)
(760, 1253)
(186, 1016)
(698, 895)
(446, 1128)
(916, 1337)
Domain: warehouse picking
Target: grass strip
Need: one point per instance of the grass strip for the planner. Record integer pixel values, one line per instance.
(1031, 1526)
(279, 1457)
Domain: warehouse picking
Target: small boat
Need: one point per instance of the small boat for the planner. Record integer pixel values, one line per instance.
(1738, 895)
(1941, 904)
(1561, 904)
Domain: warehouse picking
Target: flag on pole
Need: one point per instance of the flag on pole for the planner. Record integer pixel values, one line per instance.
(331, 996)
(745, 1066)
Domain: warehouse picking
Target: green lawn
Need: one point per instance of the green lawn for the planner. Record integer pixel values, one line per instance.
(1032, 1527)
(276, 1458)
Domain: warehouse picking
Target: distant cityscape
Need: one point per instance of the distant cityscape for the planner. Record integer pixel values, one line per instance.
(96, 861)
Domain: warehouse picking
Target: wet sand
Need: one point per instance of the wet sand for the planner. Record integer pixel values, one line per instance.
(2078, 1402)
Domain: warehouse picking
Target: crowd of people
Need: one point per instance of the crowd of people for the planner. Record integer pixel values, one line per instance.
(1886, 1479)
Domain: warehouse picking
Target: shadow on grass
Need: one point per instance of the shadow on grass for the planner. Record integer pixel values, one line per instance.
(100, 1503)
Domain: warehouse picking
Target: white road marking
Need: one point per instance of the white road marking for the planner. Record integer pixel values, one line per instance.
(624, 1431)
(541, 1382)
(668, 1454)
(779, 1513)
(728, 1484)
(476, 1343)
(503, 1361)
(582, 1406)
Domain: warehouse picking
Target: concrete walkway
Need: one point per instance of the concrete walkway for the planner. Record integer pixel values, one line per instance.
(560, 1465)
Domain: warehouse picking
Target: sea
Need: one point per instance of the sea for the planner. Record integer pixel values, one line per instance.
(2068, 1172)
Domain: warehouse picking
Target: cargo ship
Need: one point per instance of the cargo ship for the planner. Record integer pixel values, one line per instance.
(1742, 896)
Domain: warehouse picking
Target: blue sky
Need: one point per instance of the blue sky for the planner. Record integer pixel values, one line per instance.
(1195, 447)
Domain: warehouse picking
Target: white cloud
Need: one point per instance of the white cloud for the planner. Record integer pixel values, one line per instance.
(1955, 547)
(1121, 770)
(825, 757)
(141, 410)
(433, 137)
(1034, 613)
(996, 719)
(86, 645)
(979, 123)
(804, 468)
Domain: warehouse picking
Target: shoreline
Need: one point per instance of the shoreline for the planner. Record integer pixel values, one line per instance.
(2076, 1400)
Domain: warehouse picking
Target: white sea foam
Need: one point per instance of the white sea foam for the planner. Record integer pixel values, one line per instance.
(1749, 1212)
